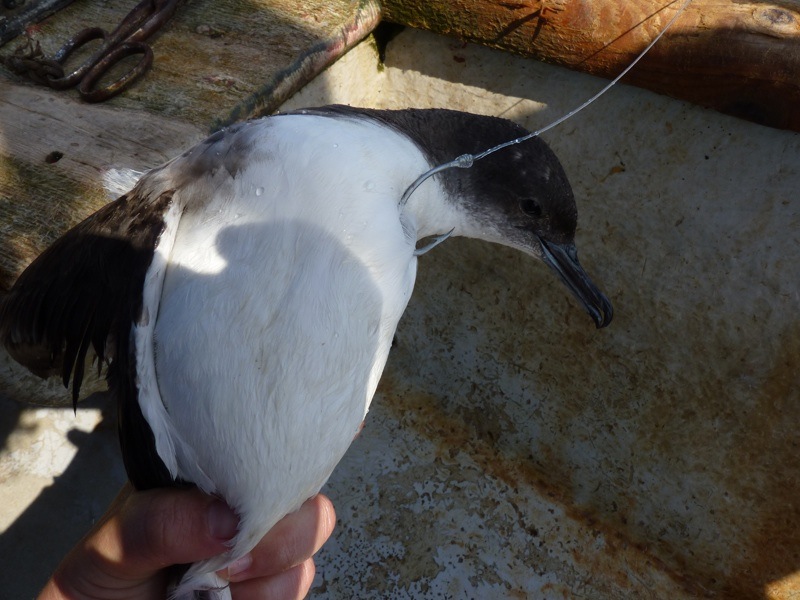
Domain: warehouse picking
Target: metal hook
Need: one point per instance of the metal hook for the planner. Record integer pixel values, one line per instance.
(436, 241)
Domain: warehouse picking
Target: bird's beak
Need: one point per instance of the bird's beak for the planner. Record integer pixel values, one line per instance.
(563, 259)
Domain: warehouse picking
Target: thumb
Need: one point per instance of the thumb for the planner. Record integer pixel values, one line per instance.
(140, 535)
(158, 528)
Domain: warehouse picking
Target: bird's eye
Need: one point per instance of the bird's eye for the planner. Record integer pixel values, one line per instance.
(530, 207)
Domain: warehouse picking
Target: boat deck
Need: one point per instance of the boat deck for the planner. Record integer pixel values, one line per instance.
(512, 451)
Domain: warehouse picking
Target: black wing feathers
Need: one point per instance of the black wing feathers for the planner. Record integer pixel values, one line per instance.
(79, 291)
(86, 290)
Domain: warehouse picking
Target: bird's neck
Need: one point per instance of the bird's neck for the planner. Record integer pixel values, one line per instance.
(431, 212)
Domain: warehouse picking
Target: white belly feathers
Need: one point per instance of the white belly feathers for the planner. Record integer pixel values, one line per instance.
(301, 281)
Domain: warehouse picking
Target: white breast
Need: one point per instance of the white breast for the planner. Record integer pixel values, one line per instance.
(283, 289)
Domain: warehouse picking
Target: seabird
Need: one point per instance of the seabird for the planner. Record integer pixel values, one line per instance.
(244, 295)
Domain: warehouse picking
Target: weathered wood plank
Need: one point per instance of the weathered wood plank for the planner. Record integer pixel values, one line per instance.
(741, 58)
(219, 61)
(41, 197)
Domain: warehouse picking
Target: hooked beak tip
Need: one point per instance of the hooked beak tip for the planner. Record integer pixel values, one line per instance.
(563, 259)
(602, 316)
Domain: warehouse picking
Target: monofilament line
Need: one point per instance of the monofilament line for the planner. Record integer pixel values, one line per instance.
(465, 161)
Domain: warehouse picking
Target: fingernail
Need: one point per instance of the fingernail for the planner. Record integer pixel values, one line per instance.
(222, 521)
(240, 565)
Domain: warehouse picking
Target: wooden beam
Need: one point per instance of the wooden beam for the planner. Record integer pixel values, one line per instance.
(741, 58)
(219, 61)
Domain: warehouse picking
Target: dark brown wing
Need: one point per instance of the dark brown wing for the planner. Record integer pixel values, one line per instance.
(86, 290)
(79, 290)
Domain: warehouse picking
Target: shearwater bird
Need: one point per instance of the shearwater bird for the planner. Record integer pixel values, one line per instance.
(244, 295)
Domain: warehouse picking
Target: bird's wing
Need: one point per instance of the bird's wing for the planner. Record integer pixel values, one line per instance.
(85, 289)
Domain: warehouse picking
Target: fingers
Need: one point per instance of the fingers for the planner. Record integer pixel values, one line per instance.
(292, 584)
(280, 565)
(144, 532)
(139, 535)
(157, 528)
(161, 528)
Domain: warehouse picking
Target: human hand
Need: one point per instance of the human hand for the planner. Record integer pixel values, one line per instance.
(142, 533)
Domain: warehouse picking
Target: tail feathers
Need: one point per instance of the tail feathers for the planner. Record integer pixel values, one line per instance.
(201, 587)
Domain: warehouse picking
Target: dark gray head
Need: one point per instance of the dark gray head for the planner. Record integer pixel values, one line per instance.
(521, 197)
(518, 196)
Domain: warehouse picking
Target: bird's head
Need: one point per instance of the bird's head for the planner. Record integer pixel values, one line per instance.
(519, 196)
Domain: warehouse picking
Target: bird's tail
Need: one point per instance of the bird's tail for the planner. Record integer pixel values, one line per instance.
(201, 587)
